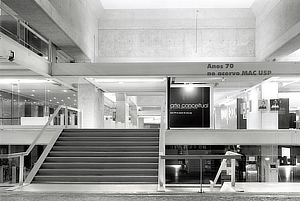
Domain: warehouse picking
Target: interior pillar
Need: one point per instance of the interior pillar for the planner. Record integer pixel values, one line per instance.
(269, 155)
(141, 122)
(133, 115)
(91, 102)
(122, 111)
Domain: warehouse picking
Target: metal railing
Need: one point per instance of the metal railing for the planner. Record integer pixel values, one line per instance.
(161, 163)
(21, 155)
(232, 156)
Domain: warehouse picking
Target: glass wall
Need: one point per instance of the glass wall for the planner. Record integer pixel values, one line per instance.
(259, 163)
(257, 102)
(24, 98)
(272, 104)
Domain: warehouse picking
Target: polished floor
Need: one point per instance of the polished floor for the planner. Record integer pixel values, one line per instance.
(65, 192)
(244, 187)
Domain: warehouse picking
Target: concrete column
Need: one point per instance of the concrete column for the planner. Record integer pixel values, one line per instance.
(91, 102)
(141, 122)
(122, 110)
(133, 115)
(269, 154)
(254, 116)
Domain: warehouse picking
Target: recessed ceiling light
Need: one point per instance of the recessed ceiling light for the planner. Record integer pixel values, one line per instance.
(130, 80)
(31, 81)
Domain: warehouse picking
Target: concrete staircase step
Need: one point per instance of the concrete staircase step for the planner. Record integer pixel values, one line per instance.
(102, 156)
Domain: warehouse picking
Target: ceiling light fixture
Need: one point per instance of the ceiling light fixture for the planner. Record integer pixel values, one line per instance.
(129, 80)
(29, 81)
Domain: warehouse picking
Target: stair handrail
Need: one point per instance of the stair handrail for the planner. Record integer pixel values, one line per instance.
(33, 144)
(42, 158)
(229, 155)
(161, 163)
(222, 167)
(43, 130)
(29, 149)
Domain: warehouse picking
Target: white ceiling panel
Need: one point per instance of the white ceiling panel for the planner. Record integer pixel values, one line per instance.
(162, 4)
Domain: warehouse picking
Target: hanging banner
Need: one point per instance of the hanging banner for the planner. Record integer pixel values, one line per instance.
(189, 106)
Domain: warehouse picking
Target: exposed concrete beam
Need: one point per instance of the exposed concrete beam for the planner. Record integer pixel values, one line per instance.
(24, 57)
(151, 100)
(277, 29)
(288, 43)
(172, 69)
(149, 113)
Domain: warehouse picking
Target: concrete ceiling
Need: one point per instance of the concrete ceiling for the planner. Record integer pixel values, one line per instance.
(162, 4)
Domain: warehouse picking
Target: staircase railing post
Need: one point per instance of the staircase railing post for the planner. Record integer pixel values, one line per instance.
(201, 177)
(232, 172)
(161, 162)
(79, 118)
(1, 174)
(66, 117)
(21, 170)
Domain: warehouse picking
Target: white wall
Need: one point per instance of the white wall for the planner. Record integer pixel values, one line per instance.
(232, 137)
(24, 135)
(254, 116)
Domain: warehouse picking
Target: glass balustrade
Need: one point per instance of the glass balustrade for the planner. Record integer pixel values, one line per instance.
(22, 33)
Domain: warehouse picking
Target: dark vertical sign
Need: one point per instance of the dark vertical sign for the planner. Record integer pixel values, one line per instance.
(241, 121)
(189, 107)
(283, 113)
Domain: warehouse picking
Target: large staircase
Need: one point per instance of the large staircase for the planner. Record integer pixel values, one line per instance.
(102, 156)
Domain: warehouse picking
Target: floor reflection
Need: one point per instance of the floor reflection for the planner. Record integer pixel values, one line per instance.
(177, 174)
(288, 173)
